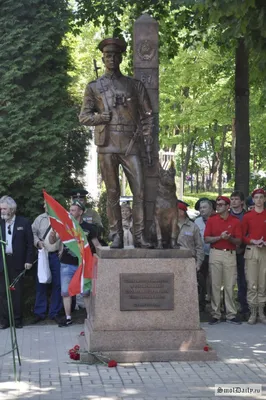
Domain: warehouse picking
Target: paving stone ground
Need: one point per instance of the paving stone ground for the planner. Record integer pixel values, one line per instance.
(47, 373)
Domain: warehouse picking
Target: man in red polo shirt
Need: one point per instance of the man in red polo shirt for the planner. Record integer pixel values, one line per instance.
(254, 236)
(223, 232)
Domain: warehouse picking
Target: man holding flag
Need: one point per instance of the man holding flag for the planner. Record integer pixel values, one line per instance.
(76, 260)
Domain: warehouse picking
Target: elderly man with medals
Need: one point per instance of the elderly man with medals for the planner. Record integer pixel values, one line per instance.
(119, 107)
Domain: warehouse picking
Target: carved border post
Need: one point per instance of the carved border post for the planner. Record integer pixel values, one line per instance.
(146, 69)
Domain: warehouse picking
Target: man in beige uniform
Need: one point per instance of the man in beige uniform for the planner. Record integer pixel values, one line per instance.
(223, 233)
(254, 236)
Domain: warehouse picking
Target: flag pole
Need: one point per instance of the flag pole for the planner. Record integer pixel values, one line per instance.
(13, 333)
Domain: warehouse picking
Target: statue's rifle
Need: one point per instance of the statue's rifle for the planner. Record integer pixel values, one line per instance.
(96, 68)
(133, 140)
(148, 141)
(105, 102)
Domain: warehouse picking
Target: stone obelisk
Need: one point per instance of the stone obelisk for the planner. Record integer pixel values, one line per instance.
(146, 69)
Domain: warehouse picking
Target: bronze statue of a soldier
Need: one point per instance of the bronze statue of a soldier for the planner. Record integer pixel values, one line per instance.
(119, 107)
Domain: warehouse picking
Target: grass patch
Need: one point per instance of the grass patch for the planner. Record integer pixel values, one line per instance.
(192, 198)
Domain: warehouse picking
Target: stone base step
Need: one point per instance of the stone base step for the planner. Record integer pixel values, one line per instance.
(141, 346)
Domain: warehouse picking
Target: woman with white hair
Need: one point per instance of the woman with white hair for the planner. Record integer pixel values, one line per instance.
(18, 248)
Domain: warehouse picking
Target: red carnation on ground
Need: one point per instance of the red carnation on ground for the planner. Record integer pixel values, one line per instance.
(74, 353)
(206, 348)
(112, 364)
(82, 334)
(75, 356)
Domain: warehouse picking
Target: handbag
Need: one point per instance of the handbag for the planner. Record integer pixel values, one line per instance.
(44, 272)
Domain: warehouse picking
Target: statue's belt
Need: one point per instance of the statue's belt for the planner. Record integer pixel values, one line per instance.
(121, 128)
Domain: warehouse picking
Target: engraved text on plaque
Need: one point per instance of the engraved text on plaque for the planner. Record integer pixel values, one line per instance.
(153, 291)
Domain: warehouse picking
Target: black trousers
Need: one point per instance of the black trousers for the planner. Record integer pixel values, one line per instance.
(202, 282)
(16, 295)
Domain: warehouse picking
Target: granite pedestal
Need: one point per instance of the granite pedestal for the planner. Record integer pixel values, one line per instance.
(146, 335)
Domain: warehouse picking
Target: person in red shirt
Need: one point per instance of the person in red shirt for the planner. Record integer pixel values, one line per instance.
(223, 232)
(254, 236)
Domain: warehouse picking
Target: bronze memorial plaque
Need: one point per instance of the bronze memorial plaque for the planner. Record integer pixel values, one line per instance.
(146, 292)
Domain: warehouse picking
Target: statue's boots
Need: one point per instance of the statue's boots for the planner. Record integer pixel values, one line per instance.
(261, 314)
(141, 242)
(118, 241)
(253, 315)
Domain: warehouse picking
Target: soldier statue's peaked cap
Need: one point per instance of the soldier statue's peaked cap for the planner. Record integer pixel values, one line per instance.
(119, 43)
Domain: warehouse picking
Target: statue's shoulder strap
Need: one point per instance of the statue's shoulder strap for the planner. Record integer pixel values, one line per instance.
(102, 84)
(102, 87)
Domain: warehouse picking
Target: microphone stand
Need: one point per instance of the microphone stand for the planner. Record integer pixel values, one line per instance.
(14, 342)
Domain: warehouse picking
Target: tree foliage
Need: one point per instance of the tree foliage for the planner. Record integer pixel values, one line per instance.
(191, 30)
(42, 144)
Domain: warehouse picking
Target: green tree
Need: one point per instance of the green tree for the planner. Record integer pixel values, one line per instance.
(232, 24)
(240, 24)
(196, 107)
(83, 50)
(42, 144)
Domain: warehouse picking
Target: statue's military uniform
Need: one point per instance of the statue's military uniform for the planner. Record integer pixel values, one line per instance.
(118, 143)
(129, 103)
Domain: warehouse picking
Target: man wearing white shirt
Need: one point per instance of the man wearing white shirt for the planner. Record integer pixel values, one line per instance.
(17, 234)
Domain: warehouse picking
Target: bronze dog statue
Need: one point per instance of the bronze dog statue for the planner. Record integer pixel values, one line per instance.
(165, 226)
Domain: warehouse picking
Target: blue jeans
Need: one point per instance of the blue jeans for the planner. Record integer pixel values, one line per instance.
(56, 304)
(67, 273)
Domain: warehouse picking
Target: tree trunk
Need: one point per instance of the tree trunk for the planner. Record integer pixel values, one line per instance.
(203, 180)
(255, 162)
(242, 118)
(197, 181)
(187, 156)
(214, 165)
(229, 166)
(192, 165)
(233, 148)
(221, 162)
(182, 159)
